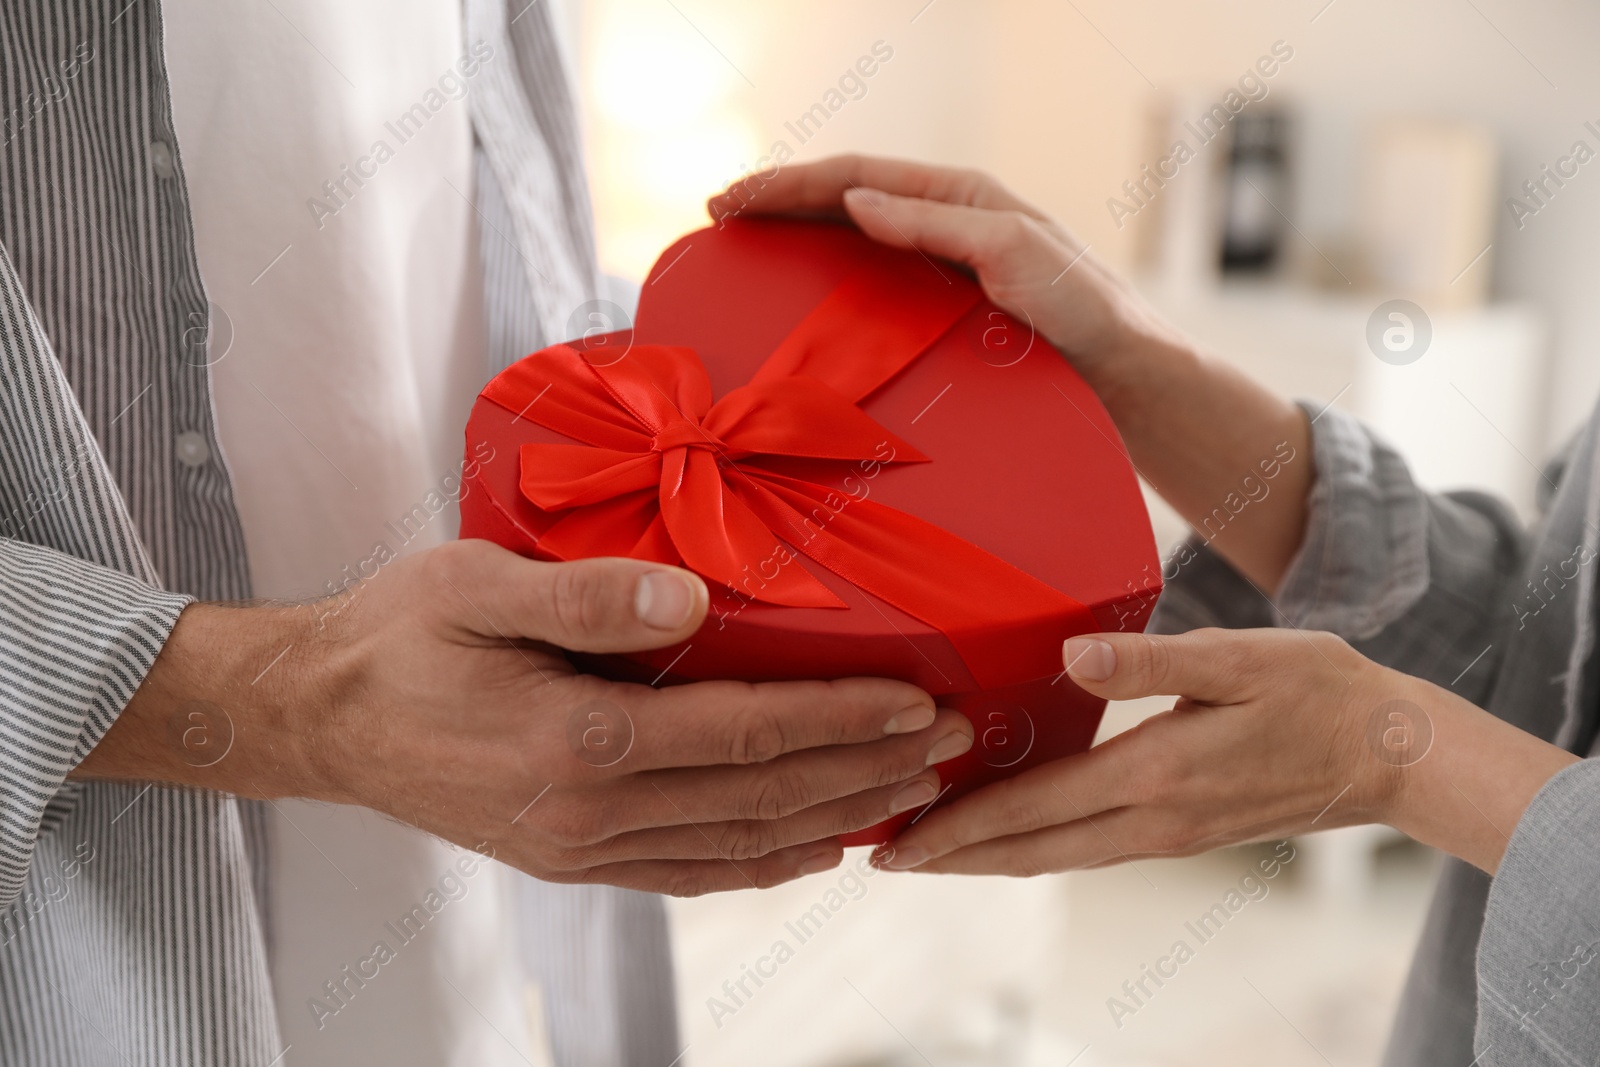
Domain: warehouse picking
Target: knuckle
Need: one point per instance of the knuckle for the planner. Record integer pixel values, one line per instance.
(774, 796)
(770, 874)
(1019, 814)
(572, 824)
(747, 839)
(1162, 842)
(902, 762)
(1010, 230)
(1024, 227)
(858, 813)
(1332, 645)
(969, 183)
(1031, 864)
(445, 563)
(1175, 836)
(1146, 786)
(1161, 769)
(577, 599)
(758, 738)
(686, 881)
(1150, 662)
(1232, 658)
(572, 858)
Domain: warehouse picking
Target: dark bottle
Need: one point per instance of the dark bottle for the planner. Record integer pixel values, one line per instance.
(1255, 192)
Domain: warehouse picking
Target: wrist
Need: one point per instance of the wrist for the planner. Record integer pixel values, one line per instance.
(233, 703)
(1140, 369)
(1467, 790)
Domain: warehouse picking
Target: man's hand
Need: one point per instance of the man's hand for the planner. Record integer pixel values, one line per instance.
(1276, 733)
(437, 694)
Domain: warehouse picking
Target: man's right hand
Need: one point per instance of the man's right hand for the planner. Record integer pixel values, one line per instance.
(437, 694)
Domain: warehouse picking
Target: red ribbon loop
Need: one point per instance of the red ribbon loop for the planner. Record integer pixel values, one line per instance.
(663, 473)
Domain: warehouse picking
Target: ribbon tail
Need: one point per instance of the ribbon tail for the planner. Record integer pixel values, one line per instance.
(721, 538)
(556, 477)
(622, 526)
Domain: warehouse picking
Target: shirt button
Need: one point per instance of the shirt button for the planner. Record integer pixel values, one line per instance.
(161, 159)
(192, 449)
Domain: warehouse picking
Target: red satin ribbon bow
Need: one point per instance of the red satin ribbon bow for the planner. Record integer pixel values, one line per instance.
(665, 474)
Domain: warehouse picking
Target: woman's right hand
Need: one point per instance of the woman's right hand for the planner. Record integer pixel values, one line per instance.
(1027, 263)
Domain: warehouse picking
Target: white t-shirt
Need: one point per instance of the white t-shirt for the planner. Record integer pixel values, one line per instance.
(329, 160)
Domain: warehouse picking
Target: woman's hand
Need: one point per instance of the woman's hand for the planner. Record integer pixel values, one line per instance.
(1163, 393)
(1027, 263)
(1277, 732)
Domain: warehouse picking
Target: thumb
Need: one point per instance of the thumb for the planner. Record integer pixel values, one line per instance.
(586, 605)
(1202, 665)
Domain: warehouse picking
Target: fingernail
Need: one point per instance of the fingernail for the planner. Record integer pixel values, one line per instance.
(822, 861)
(917, 717)
(664, 599)
(1089, 658)
(948, 747)
(869, 196)
(903, 859)
(914, 795)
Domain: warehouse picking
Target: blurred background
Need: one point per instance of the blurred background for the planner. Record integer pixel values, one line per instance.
(1387, 207)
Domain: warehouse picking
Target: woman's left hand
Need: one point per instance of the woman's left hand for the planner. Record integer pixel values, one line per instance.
(1276, 732)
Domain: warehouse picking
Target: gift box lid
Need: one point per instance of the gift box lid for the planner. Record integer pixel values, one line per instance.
(1023, 461)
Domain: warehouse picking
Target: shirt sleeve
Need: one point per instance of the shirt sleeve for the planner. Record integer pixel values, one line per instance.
(1381, 556)
(1539, 955)
(76, 639)
(81, 616)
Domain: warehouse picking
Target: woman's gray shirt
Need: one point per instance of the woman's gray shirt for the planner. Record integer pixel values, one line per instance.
(1451, 587)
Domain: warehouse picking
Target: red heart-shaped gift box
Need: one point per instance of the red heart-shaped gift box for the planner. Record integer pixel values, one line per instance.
(893, 426)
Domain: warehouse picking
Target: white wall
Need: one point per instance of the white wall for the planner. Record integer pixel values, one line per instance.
(1036, 91)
